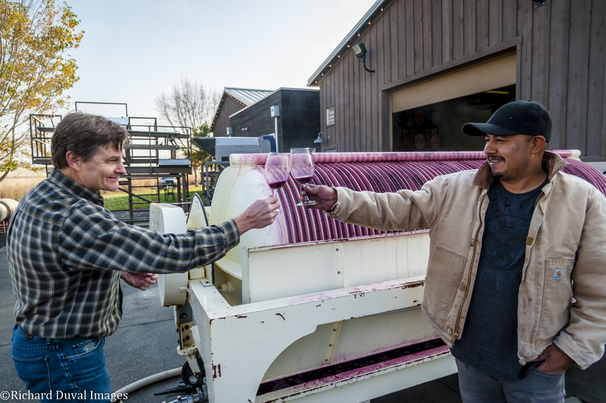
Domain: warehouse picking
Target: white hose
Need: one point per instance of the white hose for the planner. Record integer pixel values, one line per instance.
(141, 383)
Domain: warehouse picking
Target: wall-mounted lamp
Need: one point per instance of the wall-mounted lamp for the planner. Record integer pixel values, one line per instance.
(360, 51)
(320, 140)
(538, 3)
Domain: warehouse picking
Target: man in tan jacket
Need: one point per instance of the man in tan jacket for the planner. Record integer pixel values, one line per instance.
(515, 283)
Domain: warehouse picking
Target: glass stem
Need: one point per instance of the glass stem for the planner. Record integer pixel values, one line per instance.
(274, 193)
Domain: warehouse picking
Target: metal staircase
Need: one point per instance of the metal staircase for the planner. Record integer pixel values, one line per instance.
(151, 153)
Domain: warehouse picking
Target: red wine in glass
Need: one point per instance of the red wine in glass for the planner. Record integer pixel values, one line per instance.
(303, 180)
(302, 170)
(276, 185)
(276, 171)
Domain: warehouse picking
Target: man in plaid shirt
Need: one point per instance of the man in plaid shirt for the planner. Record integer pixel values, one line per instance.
(67, 253)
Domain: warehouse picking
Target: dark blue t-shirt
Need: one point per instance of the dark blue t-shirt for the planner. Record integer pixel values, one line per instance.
(490, 340)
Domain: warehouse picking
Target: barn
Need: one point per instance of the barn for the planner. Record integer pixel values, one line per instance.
(426, 67)
(232, 101)
(297, 122)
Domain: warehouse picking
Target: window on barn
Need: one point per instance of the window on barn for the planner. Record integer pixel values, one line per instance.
(330, 116)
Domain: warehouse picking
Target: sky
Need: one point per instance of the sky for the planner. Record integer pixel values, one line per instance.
(135, 50)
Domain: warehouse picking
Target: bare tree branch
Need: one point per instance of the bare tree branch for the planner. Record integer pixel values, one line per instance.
(189, 104)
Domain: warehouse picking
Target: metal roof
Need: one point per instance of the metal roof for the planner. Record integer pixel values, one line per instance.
(350, 39)
(247, 96)
(273, 92)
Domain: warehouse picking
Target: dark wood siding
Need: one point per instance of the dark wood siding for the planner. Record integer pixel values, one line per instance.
(256, 120)
(560, 49)
(229, 106)
(299, 121)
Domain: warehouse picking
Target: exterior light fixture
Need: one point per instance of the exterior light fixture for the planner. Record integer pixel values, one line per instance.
(538, 3)
(360, 51)
(320, 140)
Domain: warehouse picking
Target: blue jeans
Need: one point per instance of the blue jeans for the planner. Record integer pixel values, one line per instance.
(63, 370)
(536, 386)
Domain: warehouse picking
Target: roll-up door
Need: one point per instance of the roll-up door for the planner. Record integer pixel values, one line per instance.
(494, 73)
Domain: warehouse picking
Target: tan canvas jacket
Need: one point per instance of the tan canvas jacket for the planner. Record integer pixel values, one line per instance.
(562, 297)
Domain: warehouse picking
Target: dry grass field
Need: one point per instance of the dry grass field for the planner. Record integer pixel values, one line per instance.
(19, 182)
(16, 185)
(16, 188)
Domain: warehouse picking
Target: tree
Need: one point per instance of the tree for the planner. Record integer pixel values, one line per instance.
(34, 69)
(190, 104)
(199, 157)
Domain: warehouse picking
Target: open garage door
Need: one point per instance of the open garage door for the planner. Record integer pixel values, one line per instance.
(428, 116)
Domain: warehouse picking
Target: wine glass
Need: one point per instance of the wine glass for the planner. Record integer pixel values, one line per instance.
(302, 170)
(276, 171)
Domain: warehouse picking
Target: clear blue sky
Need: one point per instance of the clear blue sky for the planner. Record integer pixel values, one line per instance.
(133, 50)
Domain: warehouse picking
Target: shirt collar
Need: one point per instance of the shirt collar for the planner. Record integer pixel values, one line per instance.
(76, 188)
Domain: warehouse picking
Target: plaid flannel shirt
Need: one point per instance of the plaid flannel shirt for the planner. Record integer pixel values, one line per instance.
(66, 252)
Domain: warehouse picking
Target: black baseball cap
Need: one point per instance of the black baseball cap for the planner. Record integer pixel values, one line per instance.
(517, 117)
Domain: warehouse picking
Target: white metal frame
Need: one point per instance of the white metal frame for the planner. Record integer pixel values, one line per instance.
(239, 343)
(289, 309)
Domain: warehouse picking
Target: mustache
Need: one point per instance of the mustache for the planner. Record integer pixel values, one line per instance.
(493, 157)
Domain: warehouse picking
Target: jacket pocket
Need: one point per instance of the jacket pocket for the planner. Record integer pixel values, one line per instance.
(444, 275)
(557, 298)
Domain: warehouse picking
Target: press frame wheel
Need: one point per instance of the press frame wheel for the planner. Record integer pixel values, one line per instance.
(187, 375)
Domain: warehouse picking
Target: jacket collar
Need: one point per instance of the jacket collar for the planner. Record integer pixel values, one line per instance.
(552, 163)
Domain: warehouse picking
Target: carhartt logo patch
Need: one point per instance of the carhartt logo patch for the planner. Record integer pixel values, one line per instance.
(557, 274)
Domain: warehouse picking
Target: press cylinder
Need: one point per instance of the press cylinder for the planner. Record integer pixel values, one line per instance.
(7, 208)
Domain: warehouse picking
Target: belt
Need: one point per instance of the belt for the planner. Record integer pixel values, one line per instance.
(29, 336)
